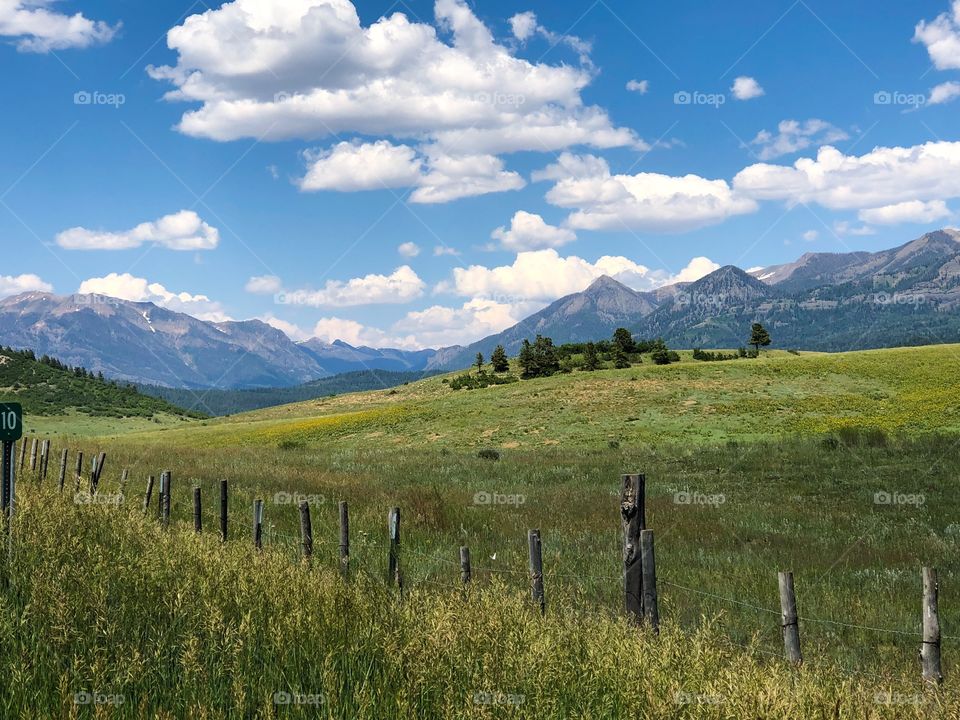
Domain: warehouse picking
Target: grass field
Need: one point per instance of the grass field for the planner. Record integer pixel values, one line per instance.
(788, 464)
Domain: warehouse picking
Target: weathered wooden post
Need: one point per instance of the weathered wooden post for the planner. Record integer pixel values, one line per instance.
(44, 459)
(258, 524)
(223, 510)
(33, 455)
(166, 481)
(306, 531)
(79, 473)
(146, 498)
(633, 521)
(536, 569)
(63, 470)
(465, 574)
(124, 476)
(393, 566)
(23, 453)
(930, 648)
(197, 511)
(344, 538)
(789, 622)
(98, 464)
(651, 608)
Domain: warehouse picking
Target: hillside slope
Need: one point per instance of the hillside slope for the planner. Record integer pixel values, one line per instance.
(907, 390)
(45, 390)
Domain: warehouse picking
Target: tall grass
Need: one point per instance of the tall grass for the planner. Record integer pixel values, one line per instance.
(169, 624)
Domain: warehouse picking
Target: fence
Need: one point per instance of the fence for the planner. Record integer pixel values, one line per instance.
(639, 578)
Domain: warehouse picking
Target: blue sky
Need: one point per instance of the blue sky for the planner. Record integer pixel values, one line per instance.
(421, 174)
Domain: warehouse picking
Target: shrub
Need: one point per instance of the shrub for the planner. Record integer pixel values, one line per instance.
(488, 454)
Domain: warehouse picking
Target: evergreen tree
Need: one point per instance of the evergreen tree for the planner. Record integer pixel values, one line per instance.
(620, 359)
(660, 353)
(499, 360)
(546, 355)
(479, 362)
(624, 340)
(591, 361)
(759, 337)
(527, 361)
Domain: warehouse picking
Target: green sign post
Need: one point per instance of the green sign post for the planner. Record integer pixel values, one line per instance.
(11, 430)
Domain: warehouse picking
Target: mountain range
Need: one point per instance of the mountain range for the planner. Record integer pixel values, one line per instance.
(823, 301)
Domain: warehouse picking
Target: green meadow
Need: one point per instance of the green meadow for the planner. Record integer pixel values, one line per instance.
(840, 468)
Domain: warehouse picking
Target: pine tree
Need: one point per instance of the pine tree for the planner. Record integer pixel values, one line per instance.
(591, 361)
(759, 337)
(527, 361)
(499, 360)
(620, 359)
(479, 362)
(623, 339)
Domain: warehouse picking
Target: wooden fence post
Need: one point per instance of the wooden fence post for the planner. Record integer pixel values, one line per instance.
(44, 459)
(99, 461)
(258, 524)
(344, 538)
(33, 455)
(633, 522)
(393, 567)
(789, 622)
(63, 469)
(465, 574)
(124, 476)
(146, 499)
(306, 531)
(651, 607)
(536, 569)
(223, 510)
(197, 510)
(930, 648)
(79, 474)
(166, 481)
(23, 453)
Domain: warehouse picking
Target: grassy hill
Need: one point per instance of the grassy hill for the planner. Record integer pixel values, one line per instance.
(72, 397)
(896, 391)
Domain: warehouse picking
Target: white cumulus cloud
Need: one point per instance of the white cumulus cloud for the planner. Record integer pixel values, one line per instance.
(912, 211)
(944, 93)
(408, 249)
(941, 37)
(638, 86)
(528, 231)
(402, 285)
(183, 230)
(135, 289)
(28, 282)
(37, 28)
(646, 201)
(746, 88)
(883, 176)
(793, 136)
(264, 285)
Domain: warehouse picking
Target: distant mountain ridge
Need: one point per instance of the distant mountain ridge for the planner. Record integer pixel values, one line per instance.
(143, 343)
(821, 301)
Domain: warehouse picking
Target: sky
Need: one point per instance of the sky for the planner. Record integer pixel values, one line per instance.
(421, 174)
